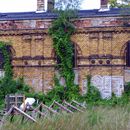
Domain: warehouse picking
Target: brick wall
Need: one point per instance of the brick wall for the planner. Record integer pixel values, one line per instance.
(100, 45)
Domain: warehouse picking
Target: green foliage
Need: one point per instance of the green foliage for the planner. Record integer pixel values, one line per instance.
(8, 86)
(61, 31)
(92, 97)
(127, 88)
(56, 81)
(114, 101)
(116, 4)
(21, 86)
(58, 93)
(68, 4)
(7, 83)
(113, 3)
(7, 60)
(98, 118)
(94, 118)
(93, 93)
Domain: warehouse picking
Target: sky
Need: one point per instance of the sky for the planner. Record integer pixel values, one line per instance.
(30, 5)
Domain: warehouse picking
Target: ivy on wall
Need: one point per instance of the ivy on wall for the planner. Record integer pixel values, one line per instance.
(7, 60)
(61, 31)
(7, 83)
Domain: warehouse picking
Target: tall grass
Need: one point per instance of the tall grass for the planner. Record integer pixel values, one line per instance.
(96, 118)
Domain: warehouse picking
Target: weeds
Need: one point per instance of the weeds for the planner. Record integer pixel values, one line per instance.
(97, 118)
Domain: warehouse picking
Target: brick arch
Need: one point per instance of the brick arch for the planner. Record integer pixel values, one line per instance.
(123, 50)
(78, 49)
(11, 50)
(126, 51)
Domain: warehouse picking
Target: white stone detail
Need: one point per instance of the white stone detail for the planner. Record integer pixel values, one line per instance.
(84, 86)
(118, 85)
(97, 81)
(106, 91)
(62, 82)
(106, 85)
(76, 78)
(2, 73)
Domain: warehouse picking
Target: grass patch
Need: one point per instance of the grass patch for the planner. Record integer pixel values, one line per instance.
(96, 118)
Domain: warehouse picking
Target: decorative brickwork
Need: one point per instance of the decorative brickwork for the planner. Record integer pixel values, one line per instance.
(100, 47)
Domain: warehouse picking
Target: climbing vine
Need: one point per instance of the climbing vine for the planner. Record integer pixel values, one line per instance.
(61, 31)
(7, 83)
(7, 61)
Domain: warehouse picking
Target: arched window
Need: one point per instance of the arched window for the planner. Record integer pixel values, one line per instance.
(74, 55)
(1, 60)
(74, 59)
(128, 54)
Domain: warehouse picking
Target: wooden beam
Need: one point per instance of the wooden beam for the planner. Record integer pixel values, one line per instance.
(21, 112)
(73, 101)
(71, 106)
(63, 107)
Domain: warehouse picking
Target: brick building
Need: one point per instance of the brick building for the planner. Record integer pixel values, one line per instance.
(101, 46)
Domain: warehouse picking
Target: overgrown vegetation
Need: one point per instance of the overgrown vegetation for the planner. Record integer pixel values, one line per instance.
(91, 98)
(7, 83)
(59, 93)
(96, 118)
(61, 32)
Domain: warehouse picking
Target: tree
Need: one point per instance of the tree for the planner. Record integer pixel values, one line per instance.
(119, 3)
(61, 30)
(68, 4)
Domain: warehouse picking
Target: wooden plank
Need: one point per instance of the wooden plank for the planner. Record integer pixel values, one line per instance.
(46, 107)
(14, 108)
(19, 111)
(49, 109)
(41, 113)
(73, 101)
(38, 111)
(9, 112)
(63, 107)
(71, 106)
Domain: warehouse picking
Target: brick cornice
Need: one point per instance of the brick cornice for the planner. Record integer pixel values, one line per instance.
(22, 32)
(89, 30)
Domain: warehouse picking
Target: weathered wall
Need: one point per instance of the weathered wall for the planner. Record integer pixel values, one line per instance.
(103, 52)
(100, 43)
